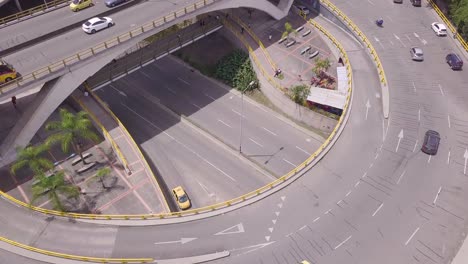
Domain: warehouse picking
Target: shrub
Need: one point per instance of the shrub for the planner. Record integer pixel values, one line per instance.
(236, 70)
(299, 93)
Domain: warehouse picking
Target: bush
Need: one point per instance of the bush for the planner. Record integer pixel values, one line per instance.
(299, 94)
(236, 70)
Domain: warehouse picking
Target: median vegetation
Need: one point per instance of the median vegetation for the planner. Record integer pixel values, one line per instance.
(458, 14)
(236, 70)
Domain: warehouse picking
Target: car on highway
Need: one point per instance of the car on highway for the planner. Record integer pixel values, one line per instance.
(77, 5)
(97, 23)
(7, 74)
(112, 3)
(454, 61)
(416, 2)
(431, 142)
(439, 28)
(304, 262)
(416, 54)
(398, 1)
(181, 197)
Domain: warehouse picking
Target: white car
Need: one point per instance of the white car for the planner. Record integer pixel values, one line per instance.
(97, 23)
(439, 28)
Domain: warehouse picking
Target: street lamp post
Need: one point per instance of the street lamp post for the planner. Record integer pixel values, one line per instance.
(242, 113)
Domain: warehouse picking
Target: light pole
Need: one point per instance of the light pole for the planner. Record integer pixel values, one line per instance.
(242, 113)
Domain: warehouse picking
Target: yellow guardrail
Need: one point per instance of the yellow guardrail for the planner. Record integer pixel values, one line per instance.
(31, 11)
(75, 257)
(236, 200)
(90, 52)
(105, 132)
(361, 35)
(449, 25)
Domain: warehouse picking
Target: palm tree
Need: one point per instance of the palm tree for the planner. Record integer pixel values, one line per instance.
(101, 174)
(54, 186)
(70, 129)
(31, 156)
(321, 65)
(288, 29)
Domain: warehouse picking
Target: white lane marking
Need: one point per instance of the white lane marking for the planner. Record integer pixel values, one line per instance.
(117, 90)
(183, 145)
(424, 42)
(222, 122)
(377, 209)
(170, 90)
(391, 42)
(465, 156)
(383, 130)
(196, 106)
(338, 203)
(357, 183)
(364, 175)
(184, 81)
(419, 114)
(429, 159)
(270, 229)
(378, 41)
(411, 237)
(303, 150)
(409, 39)
(401, 176)
(398, 38)
(205, 189)
(370, 2)
(448, 118)
(327, 211)
(209, 96)
(339, 245)
(270, 132)
(414, 87)
(416, 35)
(256, 142)
(267, 238)
(437, 195)
(372, 165)
(239, 228)
(400, 137)
(448, 158)
(316, 219)
(389, 18)
(376, 156)
(441, 91)
(292, 164)
(415, 145)
(348, 194)
(303, 227)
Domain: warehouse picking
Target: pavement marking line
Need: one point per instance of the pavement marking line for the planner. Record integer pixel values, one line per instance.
(448, 158)
(292, 164)
(316, 219)
(237, 113)
(383, 130)
(437, 195)
(222, 122)
(184, 81)
(303, 227)
(338, 203)
(270, 229)
(205, 189)
(411, 237)
(376, 211)
(348, 193)
(170, 90)
(364, 175)
(376, 156)
(398, 38)
(419, 114)
(415, 145)
(269, 131)
(196, 105)
(389, 18)
(239, 228)
(441, 91)
(339, 245)
(409, 39)
(370, 2)
(414, 87)
(401, 176)
(429, 159)
(255, 142)
(371, 165)
(209, 96)
(196, 154)
(357, 183)
(117, 90)
(391, 42)
(448, 118)
(307, 153)
(328, 211)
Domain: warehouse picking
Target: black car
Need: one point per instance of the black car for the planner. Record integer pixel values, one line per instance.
(416, 2)
(454, 61)
(431, 142)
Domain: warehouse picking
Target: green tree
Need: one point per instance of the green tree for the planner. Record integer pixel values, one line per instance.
(321, 65)
(31, 156)
(54, 187)
(101, 174)
(70, 130)
(299, 93)
(288, 29)
(459, 15)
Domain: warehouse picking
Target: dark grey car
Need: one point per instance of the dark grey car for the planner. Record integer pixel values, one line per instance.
(112, 3)
(431, 142)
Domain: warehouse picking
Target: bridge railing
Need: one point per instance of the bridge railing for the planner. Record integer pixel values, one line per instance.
(75, 257)
(255, 193)
(33, 11)
(90, 52)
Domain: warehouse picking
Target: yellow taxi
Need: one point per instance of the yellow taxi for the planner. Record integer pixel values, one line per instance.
(7, 74)
(77, 5)
(305, 262)
(181, 197)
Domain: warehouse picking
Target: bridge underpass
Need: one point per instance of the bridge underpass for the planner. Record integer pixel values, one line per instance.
(71, 72)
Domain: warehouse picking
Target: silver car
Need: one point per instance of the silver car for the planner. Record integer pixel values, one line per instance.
(417, 54)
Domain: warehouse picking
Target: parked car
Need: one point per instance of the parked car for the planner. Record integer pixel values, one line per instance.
(7, 74)
(454, 61)
(439, 28)
(112, 3)
(77, 5)
(416, 2)
(97, 23)
(417, 54)
(181, 197)
(303, 9)
(431, 142)
(398, 1)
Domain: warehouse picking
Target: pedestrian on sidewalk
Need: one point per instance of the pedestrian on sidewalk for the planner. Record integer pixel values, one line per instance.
(277, 72)
(242, 30)
(269, 37)
(300, 77)
(13, 101)
(340, 60)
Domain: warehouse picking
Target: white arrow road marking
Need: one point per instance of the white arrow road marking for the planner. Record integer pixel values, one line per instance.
(274, 221)
(267, 238)
(277, 213)
(400, 136)
(283, 198)
(466, 158)
(182, 241)
(270, 229)
(367, 107)
(205, 189)
(398, 38)
(280, 205)
(239, 228)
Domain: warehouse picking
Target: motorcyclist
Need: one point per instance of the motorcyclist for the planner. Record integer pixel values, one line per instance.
(379, 21)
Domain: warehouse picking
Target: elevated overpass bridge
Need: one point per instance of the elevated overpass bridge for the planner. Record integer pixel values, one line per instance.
(60, 64)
